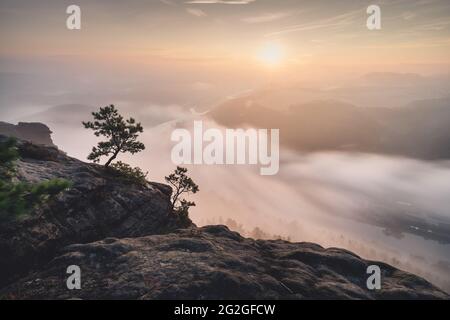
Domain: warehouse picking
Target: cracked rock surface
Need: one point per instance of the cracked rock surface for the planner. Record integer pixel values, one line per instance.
(214, 263)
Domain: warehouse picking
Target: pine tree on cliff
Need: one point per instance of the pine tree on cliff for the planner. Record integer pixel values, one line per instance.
(181, 184)
(121, 134)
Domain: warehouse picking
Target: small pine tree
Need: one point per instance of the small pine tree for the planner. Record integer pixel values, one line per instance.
(121, 134)
(18, 198)
(8, 155)
(182, 184)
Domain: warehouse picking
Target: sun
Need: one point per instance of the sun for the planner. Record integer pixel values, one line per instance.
(271, 54)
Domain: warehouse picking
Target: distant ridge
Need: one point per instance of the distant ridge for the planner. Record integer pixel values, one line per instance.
(61, 114)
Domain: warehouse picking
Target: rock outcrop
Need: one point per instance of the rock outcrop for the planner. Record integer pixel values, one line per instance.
(129, 245)
(100, 204)
(35, 132)
(214, 263)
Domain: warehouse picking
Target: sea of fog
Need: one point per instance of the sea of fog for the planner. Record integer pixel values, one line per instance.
(328, 197)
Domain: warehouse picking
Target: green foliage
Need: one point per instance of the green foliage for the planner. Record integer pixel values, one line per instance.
(12, 200)
(121, 134)
(183, 207)
(181, 184)
(8, 155)
(42, 191)
(18, 198)
(130, 173)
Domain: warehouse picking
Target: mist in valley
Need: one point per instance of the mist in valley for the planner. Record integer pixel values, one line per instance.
(388, 208)
(385, 208)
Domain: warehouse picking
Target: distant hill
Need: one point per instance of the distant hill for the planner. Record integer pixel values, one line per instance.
(62, 114)
(419, 130)
(391, 78)
(71, 115)
(372, 90)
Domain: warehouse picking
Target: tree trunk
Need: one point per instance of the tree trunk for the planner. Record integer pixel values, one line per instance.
(111, 159)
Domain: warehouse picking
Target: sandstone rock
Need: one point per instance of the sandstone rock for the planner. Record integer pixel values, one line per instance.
(35, 132)
(214, 263)
(100, 204)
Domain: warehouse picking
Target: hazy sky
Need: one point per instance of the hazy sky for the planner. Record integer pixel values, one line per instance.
(197, 53)
(213, 32)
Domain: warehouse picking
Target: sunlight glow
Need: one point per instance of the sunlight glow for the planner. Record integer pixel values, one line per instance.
(272, 54)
